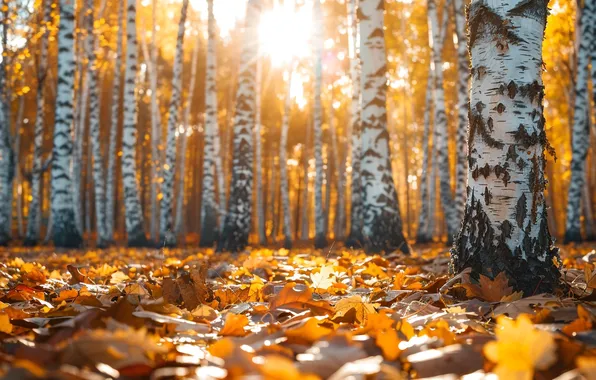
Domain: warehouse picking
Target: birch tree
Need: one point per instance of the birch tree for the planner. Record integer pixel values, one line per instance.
(238, 218)
(424, 235)
(64, 230)
(382, 221)
(167, 235)
(111, 184)
(283, 164)
(259, 160)
(580, 134)
(505, 225)
(155, 125)
(132, 203)
(6, 152)
(34, 218)
(440, 122)
(209, 207)
(355, 238)
(320, 212)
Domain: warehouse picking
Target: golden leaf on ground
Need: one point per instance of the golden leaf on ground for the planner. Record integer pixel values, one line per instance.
(584, 322)
(234, 325)
(361, 308)
(490, 290)
(324, 278)
(222, 348)
(439, 329)
(590, 275)
(388, 342)
(520, 348)
(293, 298)
(204, 312)
(5, 325)
(309, 332)
(281, 368)
(66, 295)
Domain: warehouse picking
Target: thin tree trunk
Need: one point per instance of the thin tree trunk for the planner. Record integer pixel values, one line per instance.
(134, 212)
(34, 219)
(180, 225)
(17, 171)
(259, 161)
(167, 235)
(306, 153)
(382, 221)
(424, 234)
(355, 238)
(111, 184)
(239, 216)
(580, 136)
(339, 166)
(209, 207)
(505, 226)
(155, 126)
(283, 163)
(588, 211)
(6, 152)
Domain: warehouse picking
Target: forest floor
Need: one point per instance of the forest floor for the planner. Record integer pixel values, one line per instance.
(278, 314)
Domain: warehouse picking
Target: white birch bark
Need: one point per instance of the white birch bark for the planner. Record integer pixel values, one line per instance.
(283, 165)
(239, 216)
(580, 134)
(34, 218)
(209, 206)
(111, 184)
(505, 227)
(339, 229)
(155, 126)
(64, 229)
(6, 152)
(179, 226)
(132, 203)
(424, 235)
(463, 103)
(167, 235)
(440, 121)
(320, 212)
(259, 161)
(382, 221)
(355, 238)
(305, 200)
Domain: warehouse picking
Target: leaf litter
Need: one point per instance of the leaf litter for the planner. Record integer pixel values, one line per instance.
(279, 314)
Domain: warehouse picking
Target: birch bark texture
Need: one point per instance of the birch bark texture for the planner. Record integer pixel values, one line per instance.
(283, 164)
(382, 221)
(424, 234)
(355, 238)
(259, 160)
(65, 233)
(134, 214)
(505, 225)
(166, 230)
(238, 218)
(34, 218)
(209, 207)
(580, 133)
(320, 212)
(111, 184)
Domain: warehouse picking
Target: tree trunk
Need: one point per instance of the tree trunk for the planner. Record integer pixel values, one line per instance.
(580, 135)
(64, 228)
(134, 212)
(209, 206)
(305, 228)
(340, 169)
(259, 161)
(179, 225)
(320, 212)
(167, 235)
(283, 163)
(424, 235)
(382, 221)
(155, 127)
(440, 118)
(355, 238)
(239, 216)
(505, 226)
(463, 106)
(111, 184)
(34, 218)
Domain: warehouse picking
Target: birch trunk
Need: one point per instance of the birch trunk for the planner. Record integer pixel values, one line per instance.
(424, 234)
(259, 161)
(17, 154)
(34, 218)
(580, 134)
(64, 228)
(167, 235)
(340, 169)
(6, 152)
(209, 207)
(239, 216)
(283, 165)
(306, 153)
(382, 221)
(111, 184)
(463, 106)
(132, 203)
(440, 121)
(505, 227)
(355, 238)
(179, 227)
(320, 212)
(155, 126)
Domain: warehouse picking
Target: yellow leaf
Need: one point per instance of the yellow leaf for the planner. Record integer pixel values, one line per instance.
(5, 325)
(234, 325)
(520, 348)
(310, 332)
(324, 278)
(222, 348)
(388, 342)
(362, 309)
(279, 367)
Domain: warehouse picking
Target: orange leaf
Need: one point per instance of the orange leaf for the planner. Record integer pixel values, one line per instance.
(490, 290)
(67, 294)
(293, 298)
(234, 325)
(310, 332)
(5, 325)
(388, 343)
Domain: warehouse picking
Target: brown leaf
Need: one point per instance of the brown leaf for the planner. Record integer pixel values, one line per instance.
(490, 290)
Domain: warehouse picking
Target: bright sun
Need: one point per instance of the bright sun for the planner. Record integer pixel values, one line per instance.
(285, 32)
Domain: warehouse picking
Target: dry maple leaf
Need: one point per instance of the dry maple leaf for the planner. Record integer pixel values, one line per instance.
(279, 367)
(309, 332)
(5, 325)
(324, 278)
(361, 308)
(388, 342)
(520, 348)
(491, 290)
(234, 325)
(292, 298)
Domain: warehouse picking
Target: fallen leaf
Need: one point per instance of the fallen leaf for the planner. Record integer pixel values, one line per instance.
(490, 290)
(309, 332)
(361, 308)
(234, 325)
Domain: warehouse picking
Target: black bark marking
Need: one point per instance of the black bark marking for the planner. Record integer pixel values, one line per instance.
(500, 108)
(483, 21)
(487, 196)
(520, 210)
